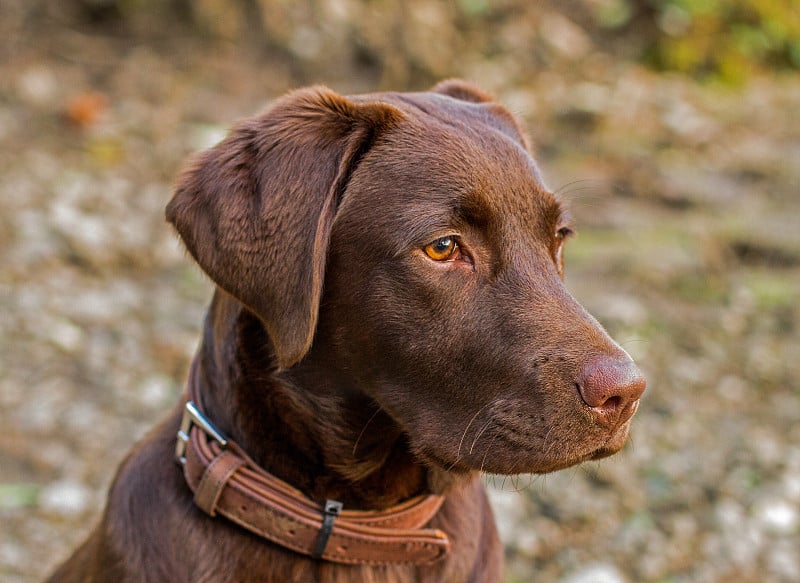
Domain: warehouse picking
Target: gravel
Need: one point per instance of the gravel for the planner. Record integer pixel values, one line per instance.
(686, 199)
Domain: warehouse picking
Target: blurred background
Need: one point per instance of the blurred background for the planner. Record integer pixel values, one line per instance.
(671, 127)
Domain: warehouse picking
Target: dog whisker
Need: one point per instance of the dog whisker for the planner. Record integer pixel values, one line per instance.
(463, 435)
(585, 183)
(478, 436)
(488, 448)
(582, 187)
(360, 435)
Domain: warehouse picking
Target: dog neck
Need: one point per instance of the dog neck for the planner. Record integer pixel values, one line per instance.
(358, 455)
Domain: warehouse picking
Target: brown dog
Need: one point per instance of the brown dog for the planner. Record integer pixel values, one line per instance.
(390, 321)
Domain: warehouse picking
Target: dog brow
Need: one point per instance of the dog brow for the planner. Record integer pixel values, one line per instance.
(557, 213)
(423, 228)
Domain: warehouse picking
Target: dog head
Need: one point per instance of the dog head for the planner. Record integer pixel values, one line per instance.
(407, 242)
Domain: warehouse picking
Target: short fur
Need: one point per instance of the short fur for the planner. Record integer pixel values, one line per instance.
(349, 363)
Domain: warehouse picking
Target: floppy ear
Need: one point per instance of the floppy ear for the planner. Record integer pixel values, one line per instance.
(497, 115)
(462, 90)
(256, 210)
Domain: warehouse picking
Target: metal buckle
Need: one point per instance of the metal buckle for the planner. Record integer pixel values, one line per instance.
(193, 416)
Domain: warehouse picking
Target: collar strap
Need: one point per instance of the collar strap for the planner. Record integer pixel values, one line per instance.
(227, 482)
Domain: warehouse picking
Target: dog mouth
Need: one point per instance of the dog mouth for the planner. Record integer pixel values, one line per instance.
(574, 453)
(510, 447)
(615, 443)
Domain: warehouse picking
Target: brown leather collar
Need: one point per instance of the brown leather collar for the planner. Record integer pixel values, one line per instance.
(226, 481)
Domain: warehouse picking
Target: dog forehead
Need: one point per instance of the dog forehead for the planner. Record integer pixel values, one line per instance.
(430, 173)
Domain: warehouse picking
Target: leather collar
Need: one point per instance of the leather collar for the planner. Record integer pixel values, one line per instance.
(226, 482)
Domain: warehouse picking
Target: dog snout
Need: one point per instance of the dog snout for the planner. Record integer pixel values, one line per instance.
(611, 387)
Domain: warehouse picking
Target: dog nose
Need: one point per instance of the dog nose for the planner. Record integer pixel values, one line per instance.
(611, 386)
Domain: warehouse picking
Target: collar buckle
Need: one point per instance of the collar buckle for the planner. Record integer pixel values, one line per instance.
(193, 417)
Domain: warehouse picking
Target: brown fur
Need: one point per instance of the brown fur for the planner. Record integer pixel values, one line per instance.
(351, 365)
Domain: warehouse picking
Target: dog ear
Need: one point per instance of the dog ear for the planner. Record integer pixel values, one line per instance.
(497, 115)
(462, 90)
(256, 210)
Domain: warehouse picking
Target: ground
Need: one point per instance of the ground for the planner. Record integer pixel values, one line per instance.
(687, 203)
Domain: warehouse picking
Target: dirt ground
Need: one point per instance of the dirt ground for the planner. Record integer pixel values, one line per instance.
(687, 201)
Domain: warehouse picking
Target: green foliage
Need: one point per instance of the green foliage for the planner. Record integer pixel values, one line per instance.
(726, 39)
(18, 495)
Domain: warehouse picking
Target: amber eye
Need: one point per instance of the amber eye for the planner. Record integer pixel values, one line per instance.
(564, 233)
(561, 236)
(441, 249)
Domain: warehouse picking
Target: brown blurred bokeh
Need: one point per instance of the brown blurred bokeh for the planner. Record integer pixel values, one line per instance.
(670, 127)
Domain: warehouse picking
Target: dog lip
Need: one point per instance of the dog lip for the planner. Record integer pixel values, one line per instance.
(628, 412)
(616, 440)
(612, 414)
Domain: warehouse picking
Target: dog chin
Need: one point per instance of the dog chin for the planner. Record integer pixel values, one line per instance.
(511, 463)
(614, 445)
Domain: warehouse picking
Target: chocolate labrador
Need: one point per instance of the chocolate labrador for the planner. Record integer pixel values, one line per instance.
(389, 322)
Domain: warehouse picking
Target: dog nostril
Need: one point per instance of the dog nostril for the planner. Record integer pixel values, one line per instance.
(608, 385)
(597, 399)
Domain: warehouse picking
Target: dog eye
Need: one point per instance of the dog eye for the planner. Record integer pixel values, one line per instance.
(441, 249)
(564, 233)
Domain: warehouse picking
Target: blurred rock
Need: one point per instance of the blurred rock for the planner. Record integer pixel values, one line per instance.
(157, 391)
(67, 498)
(565, 36)
(778, 516)
(38, 86)
(66, 335)
(598, 573)
(783, 560)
